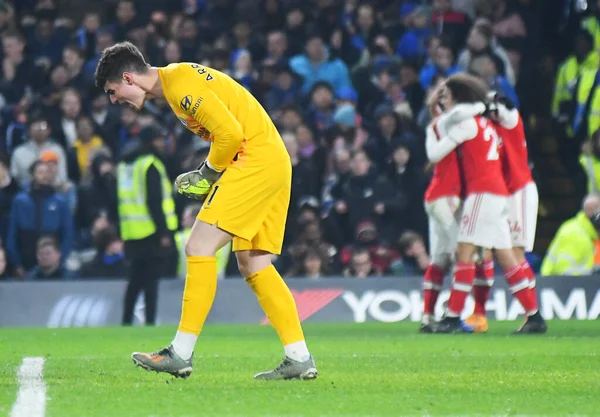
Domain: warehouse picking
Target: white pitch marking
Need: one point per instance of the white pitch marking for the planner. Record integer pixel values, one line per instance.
(31, 398)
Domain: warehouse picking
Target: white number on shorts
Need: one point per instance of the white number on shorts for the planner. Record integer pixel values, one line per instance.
(490, 135)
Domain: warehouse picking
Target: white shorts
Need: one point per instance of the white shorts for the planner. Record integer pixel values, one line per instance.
(485, 221)
(522, 214)
(444, 217)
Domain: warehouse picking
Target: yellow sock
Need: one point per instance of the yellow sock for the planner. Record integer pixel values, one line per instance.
(278, 304)
(199, 293)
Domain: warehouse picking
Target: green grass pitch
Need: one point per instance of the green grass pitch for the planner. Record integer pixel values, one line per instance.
(364, 370)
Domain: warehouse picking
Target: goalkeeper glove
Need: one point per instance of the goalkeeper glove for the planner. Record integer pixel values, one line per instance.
(197, 184)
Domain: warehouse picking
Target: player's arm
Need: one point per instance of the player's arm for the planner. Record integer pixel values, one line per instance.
(509, 118)
(461, 132)
(459, 113)
(223, 126)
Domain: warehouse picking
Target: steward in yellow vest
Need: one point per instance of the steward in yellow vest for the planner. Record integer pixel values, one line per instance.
(147, 219)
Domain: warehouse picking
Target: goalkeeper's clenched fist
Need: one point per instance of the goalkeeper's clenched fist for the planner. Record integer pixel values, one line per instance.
(197, 184)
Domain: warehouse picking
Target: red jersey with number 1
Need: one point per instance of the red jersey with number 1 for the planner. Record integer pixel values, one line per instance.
(513, 155)
(446, 176)
(479, 159)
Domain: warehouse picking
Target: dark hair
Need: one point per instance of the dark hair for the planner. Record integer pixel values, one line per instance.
(407, 239)
(75, 48)
(13, 34)
(359, 250)
(47, 241)
(34, 166)
(466, 88)
(117, 59)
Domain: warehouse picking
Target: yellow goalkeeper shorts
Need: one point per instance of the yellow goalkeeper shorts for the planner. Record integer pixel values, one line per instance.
(251, 203)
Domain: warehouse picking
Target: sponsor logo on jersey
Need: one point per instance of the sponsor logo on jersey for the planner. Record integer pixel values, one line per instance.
(196, 105)
(186, 102)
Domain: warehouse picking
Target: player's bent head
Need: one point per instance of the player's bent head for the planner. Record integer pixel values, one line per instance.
(466, 88)
(123, 57)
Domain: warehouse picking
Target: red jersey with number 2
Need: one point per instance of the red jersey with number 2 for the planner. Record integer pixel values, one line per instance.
(446, 176)
(513, 155)
(479, 159)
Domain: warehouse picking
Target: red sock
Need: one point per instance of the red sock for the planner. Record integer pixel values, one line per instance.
(528, 273)
(432, 285)
(484, 279)
(519, 286)
(464, 274)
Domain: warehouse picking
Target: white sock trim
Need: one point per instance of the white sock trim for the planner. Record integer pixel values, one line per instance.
(297, 351)
(184, 343)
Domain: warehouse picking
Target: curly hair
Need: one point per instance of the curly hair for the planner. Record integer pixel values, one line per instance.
(117, 59)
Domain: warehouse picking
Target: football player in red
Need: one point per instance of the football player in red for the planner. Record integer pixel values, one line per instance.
(522, 207)
(484, 220)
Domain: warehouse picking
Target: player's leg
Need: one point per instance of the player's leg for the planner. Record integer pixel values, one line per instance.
(279, 306)
(442, 237)
(523, 210)
(199, 293)
(152, 272)
(482, 285)
(274, 296)
(464, 269)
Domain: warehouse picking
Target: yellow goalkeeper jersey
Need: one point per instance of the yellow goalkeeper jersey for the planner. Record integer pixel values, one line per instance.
(218, 109)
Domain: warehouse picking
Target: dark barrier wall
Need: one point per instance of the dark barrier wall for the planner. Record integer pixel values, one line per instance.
(98, 303)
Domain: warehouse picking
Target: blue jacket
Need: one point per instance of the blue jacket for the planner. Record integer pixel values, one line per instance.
(333, 71)
(429, 71)
(33, 215)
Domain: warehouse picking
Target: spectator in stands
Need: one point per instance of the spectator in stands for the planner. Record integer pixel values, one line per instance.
(407, 176)
(65, 123)
(454, 25)
(38, 212)
(322, 105)
(97, 193)
(361, 265)
(49, 262)
(313, 265)
(481, 42)
(39, 141)
(126, 19)
(86, 35)
(590, 162)
(382, 256)
(109, 261)
(316, 65)
(286, 89)
(84, 148)
(8, 190)
(73, 59)
(66, 188)
(415, 258)
(104, 39)
(106, 119)
(575, 250)
(310, 236)
(412, 44)
(17, 71)
(442, 63)
(45, 40)
(485, 67)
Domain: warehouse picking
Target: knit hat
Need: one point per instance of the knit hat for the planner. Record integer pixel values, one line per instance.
(49, 156)
(347, 94)
(345, 115)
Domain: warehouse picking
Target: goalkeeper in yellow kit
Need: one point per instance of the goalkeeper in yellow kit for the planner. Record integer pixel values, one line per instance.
(245, 185)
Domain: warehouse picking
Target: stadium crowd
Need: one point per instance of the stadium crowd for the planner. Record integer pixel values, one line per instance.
(344, 80)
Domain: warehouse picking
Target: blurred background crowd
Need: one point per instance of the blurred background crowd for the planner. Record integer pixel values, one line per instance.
(344, 80)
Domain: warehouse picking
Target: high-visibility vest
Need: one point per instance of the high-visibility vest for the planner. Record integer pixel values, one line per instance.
(134, 216)
(222, 255)
(591, 166)
(567, 79)
(592, 25)
(573, 250)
